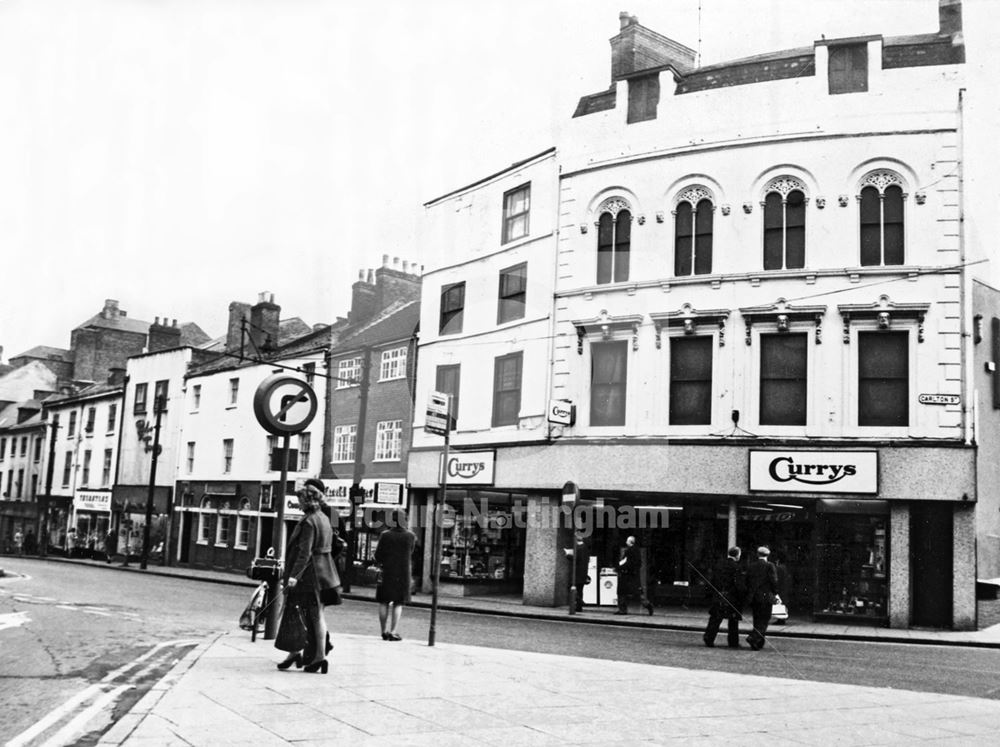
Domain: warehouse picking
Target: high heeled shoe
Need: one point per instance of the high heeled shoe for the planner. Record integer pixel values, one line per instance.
(296, 660)
(320, 666)
(329, 646)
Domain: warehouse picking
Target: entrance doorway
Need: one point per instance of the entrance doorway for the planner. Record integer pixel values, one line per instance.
(187, 519)
(931, 557)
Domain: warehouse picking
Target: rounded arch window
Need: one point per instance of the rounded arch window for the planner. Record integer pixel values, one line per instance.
(614, 237)
(881, 202)
(785, 225)
(693, 230)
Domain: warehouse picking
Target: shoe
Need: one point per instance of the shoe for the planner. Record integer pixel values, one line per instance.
(710, 644)
(329, 646)
(320, 666)
(296, 660)
(393, 637)
(385, 636)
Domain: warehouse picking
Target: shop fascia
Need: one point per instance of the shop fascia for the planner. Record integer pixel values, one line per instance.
(93, 500)
(380, 494)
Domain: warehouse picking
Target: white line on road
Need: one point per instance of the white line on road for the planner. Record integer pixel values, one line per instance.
(63, 710)
(13, 620)
(76, 727)
(98, 612)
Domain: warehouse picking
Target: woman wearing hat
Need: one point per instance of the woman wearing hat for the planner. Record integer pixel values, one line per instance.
(309, 569)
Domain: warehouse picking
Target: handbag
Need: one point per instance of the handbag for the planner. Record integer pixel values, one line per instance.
(292, 634)
(331, 596)
(778, 610)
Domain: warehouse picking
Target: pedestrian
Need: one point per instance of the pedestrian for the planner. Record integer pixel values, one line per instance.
(18, 542)
(110, 544)
(728, 589)
(762, 587)
(629, 578)
(71, 542)
(580, 578)
(309, 570)
(394, 557)
(30, 543)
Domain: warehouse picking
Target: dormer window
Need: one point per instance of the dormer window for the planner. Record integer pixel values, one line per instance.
(848, 68)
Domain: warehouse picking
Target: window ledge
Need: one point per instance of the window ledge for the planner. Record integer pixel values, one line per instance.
(222, 544)
(202, 542)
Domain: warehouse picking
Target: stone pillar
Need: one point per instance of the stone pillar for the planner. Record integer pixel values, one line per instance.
(899, 565)
(964, 567)
(731, 534)
(546, 571)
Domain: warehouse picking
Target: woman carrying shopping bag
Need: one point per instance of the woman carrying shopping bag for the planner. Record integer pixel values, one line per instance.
(309, 572)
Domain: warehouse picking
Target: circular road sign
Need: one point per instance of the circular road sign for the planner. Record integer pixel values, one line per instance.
(284, 404)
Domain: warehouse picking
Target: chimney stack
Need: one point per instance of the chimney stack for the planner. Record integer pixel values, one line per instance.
(111, 310)
(162, 337)
(950, 17)
(363, 302)
(394, 283)
(265, 319)
(238, 313)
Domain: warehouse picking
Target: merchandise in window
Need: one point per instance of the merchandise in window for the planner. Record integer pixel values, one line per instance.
(852, 566)
(488, 547)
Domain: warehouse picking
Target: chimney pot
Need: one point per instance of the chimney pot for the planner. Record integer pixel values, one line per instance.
(385, 260)
(361, 275)
(156, 320)
(371, 276)
(174, 323)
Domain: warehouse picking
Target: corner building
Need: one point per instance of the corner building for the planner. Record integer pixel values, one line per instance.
(763, 314)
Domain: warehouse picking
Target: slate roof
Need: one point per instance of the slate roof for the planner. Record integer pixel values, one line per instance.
(125, 323)
(47, 353)
(397, 322)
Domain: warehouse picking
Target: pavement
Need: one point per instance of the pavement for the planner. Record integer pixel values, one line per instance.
(227, 691)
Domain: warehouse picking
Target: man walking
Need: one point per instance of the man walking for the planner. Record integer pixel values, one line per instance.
(762, 586)
(629, 581)
(727, 600)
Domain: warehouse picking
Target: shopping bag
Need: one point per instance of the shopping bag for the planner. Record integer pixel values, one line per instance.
(779, 612)
(292, 635)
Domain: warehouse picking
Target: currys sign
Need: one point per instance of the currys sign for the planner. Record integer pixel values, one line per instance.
(470, 467)
(814, 471)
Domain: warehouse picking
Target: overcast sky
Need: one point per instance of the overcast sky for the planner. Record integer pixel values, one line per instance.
(177, 155)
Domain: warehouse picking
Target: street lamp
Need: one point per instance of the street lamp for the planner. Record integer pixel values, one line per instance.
(570, 498)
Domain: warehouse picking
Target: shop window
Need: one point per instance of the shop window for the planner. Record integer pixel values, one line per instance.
(691, 380)
(393, 364)
(139, 408)
(387, 440)
(852, 566)
(512, 293)
(516, 208)
(112, 417)
(614, 237)
(785, 226)
(848, 68)
(344, 437)
(506, 389)
(883, 379)
(348, 372)
(693, 234)
(783, 360)
(485, 546)
(881, 220)
(608, 375)
(447, 380)
(452, 309)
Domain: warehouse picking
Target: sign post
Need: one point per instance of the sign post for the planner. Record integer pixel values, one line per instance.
(570, 497)
(283, 405)
(438, 420)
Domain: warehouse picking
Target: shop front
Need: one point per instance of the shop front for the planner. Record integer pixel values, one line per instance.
(128, 508)
(90, 524)
(19, 516)
(54, 513)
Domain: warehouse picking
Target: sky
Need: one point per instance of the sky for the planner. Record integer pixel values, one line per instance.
(177, 155)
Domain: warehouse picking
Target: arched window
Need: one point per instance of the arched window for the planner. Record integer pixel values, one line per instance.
(881, 218)
(785, 225)
(614, 228)
(693, 233)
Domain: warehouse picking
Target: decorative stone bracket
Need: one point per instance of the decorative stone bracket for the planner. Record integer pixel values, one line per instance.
(884, 313)
(780, 315)
(689, 320)
(605, 325)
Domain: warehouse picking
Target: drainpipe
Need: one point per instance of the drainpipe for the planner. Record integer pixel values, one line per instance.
(965, 299)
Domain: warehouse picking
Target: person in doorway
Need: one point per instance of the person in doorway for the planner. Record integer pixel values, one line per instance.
(629, 578)
(110, 545)
(762, 587)
(309, 570)
(18, 542)
(30, 543)
(728, 589)
(394, 556)
(582, 566)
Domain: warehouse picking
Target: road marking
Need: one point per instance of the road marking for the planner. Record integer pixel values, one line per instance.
(13, 620)
(98, 612)
(63, 711)
(77, 727)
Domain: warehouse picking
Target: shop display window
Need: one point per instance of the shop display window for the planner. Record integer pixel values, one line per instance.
(485, 546)
(852, 567)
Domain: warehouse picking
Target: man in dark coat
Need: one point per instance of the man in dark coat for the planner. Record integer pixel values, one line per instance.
(582, 566)
(629, 581)
(728, 589)
(762, 587)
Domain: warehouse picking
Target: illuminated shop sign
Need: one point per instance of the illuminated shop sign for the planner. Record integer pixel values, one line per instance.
(814, 471)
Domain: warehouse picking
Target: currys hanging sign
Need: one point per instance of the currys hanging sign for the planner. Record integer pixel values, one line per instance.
(470, 467)
(814, 471)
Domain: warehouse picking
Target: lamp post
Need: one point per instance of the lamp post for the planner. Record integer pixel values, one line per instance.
(571, 497)
(159, 405)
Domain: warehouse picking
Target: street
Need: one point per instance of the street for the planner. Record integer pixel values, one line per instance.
(65, 628)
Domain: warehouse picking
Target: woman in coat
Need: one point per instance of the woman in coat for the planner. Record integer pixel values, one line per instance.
(309, 569)
(393, 554)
